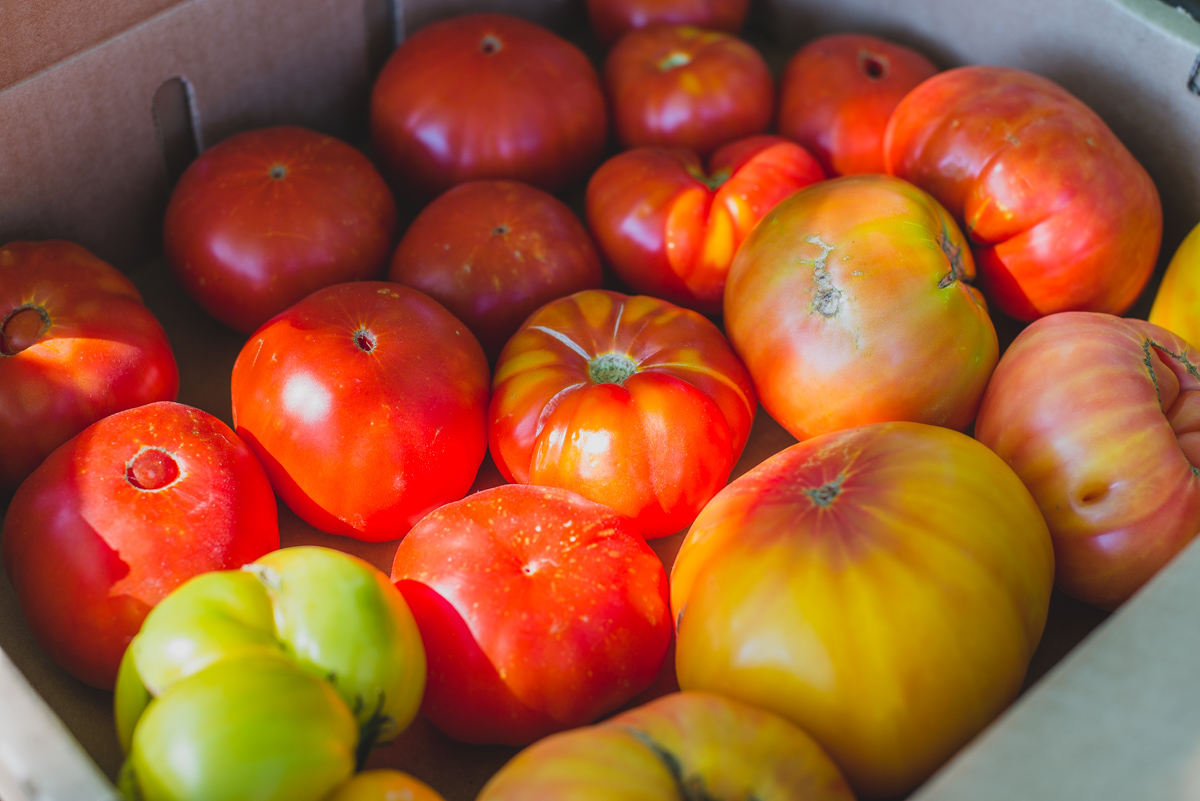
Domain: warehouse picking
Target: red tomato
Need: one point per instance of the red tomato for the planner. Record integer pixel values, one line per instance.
(851, 303)
(487, 96)
(1100, 417)
(632, 402)
(1061, 215)
(119, 516)
(269, 216)
(539, 610)
(679, 86)
(76, 344)
(670, 229)
(366, 403)
(612, 18)
(494, 251)
(837, 93)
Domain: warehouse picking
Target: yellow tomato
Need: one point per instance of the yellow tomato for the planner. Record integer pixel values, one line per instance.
(1177, 304)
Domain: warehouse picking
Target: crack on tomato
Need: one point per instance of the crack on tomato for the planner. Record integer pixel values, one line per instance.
(828, 298)
(16, 333)
(691, 788)
(1149, 362)
(954, 254)
(825, 494)
(1180, 357)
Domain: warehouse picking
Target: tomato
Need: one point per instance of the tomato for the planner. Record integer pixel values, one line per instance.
(681, 746)
(120, 515)
(851, 303)
(838, 92)
(385, 785)
(882, 587)
(612, 18)
(76, 345)
(366, 403)
(540, 611)
(1100, 417)
(487, 96)
(670, 229)
(1177, 301)
(680, 86)
(492, 252)
(269, 216)
(1061, 215)
(632, 402)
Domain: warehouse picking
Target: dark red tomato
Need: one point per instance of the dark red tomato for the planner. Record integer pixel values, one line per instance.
(269, 216)
(680, 86)
(494, 251)
(837, 93)
(540, 611)
(487, 96)
(119, 516)
(611, 18)
(76, 344)
(670, 229)
(366, 403)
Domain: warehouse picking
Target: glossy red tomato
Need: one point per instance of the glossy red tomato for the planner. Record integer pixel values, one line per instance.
(612, 18)
(540, 611)
(366, 403)
(487, 96)
(269, 216)
(632, 402)
(838, 92)
(680, 86)
(76, 344)
(670, 228)
(119, 516)
(1061, 215)
(494, 251)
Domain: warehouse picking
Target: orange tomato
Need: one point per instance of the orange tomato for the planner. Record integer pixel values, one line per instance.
(385, 785)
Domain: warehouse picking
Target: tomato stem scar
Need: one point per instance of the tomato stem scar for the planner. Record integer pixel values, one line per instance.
(611, 368)
(826, 493)
(365, 340)
(22, 328)
(490, 45)
(152, 469)
(673, 60)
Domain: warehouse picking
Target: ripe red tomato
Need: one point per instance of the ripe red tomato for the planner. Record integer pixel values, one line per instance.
(76, 344)
(670, 229)
(632, 402)
(679, 86)
(540, 611)
(494, 251)
(119, 516)
(838, 92)
(487, 96)
(1061, 215)
(612, 18)
(1100, 417)
(269, 216)
(366, 403)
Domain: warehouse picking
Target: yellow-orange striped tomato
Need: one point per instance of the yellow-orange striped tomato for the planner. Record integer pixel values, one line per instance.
(1177, 304)
(632, 402)
(882, 587)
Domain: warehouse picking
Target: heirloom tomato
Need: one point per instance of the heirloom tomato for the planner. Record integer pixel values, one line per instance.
(487, 96)
(680, 86)
(76, 344)
(1061, 215)
(1100, 417)
(1177, 303)
(120, 515)
(366, 403)
(492, 252)
(681, 747)
(269, 216)
(838, 92)
(612, 18)
(670, 229)
(882, 587)
(385, 785)
(540, 611)
(850, 303)
(632, 402)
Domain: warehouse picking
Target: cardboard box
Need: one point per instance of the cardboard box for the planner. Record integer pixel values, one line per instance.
(102, 105)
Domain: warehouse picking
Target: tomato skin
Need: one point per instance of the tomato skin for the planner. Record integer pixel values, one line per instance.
(492, 252)
(1100, 417)
(812, 300)
(668, 233)
(1061, 215)
(610, 19)
(486, 96)
(655, 446)
(78, 344)
(366, 403)
(837, 93)
(385, 785)
(539, 610)
(269, 216)
(681, 86)
(882, 587)
(1177, 302)
(89, 553)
